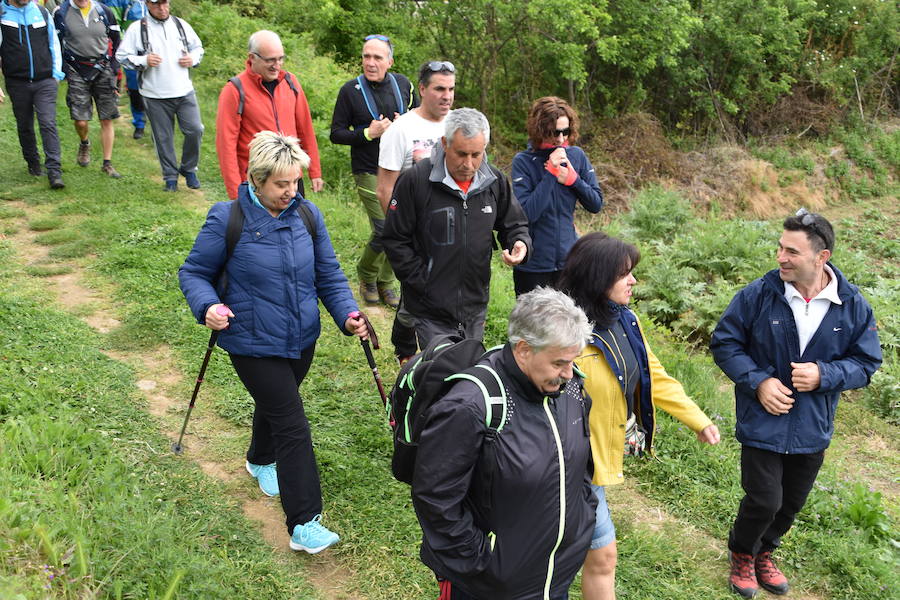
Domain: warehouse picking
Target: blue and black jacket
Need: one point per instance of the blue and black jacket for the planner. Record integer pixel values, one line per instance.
(756, 339)
(550, 206)
(29, 47)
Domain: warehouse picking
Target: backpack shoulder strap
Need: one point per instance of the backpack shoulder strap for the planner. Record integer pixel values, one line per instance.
(309, 220)
(494, 392)
(232, 235)
(145, 35)
(364, 90)
(236, 82)
(44, 13)
(181, 33)
(290, 79)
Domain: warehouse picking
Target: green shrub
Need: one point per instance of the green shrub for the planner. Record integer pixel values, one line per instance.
(658, 214)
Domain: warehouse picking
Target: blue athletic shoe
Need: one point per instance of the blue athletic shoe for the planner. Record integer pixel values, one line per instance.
(313, 537)
(191, 179)
(267, 477)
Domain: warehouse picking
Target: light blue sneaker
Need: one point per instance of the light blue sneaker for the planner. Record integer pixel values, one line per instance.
(313, 537)
(267, 477)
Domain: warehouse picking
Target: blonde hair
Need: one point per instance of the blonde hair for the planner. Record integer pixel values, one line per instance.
(272, 152)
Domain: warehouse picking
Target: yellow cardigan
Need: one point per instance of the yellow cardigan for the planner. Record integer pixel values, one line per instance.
(608, 413)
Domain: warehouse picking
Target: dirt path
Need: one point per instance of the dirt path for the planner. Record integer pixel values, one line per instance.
(163, 386)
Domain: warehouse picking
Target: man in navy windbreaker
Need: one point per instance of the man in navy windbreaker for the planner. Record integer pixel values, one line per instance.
(791, 341)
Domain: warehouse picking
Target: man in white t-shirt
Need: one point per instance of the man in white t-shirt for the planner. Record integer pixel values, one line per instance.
(414, 134)
(408, 140)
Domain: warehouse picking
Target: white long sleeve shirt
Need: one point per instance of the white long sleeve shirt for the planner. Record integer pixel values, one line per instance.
(168, 79)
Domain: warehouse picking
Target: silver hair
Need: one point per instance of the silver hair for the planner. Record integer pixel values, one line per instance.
(545, 317)
(469, 122)
(272, 152)
(253, 43)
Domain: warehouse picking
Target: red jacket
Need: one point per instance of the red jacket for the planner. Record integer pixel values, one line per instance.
(284, 112)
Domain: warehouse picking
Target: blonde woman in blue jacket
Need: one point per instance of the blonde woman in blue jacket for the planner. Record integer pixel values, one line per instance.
(625, 381)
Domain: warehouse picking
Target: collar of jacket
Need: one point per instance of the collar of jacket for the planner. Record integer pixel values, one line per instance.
(518, 380)
(483, 179)
(257, 78)
(845, 289)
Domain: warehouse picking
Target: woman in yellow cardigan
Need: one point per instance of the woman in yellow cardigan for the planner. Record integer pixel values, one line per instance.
(626, 383)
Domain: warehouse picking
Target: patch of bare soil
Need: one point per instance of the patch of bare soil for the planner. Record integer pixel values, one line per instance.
(163, 387)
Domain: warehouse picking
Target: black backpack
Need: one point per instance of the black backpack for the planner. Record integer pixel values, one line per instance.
(425, 379)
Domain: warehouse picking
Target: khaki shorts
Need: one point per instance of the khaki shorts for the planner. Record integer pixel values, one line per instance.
(102, 90)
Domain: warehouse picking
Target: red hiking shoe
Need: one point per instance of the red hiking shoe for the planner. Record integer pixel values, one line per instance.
(769, 576)
(743, 575)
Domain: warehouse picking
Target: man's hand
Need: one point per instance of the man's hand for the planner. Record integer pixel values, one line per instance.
(774, 396)
(186, 61)
(805, 376)
(709, 435)
(318, 184)
(154, 60)
(517, 255)
(378, 126)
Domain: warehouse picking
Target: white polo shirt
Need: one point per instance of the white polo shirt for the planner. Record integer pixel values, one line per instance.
(808, 315)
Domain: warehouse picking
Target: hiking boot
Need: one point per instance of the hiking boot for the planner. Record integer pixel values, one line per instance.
(110, 170)
(266, 476)
(743, 575)
(192, 180)
(35, 170)
(389, 297)
(171, 185)
(769, 576)
(313, 537)
(368, 292)
(84, 153)
(56, 182)
(138, 133)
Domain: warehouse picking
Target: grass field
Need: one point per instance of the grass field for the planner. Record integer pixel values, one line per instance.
(99, 356)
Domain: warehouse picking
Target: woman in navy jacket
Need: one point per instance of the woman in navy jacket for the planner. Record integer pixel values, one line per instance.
(268, 316)
(548, 179)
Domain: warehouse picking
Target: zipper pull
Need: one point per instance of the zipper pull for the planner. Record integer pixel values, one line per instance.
(465, 205)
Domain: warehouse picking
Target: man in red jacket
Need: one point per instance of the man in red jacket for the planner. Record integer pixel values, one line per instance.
(264, 97)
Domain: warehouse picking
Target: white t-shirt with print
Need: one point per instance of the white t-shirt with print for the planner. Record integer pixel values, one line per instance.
(408, 140)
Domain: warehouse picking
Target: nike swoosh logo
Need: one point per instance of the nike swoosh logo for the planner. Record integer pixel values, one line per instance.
(836, 329)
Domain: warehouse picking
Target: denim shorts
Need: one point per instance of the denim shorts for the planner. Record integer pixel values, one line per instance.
(604, 530)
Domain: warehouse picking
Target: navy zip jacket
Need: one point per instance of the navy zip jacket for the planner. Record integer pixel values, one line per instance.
(275, 279)
(550, 206)
(757, 338)
(29, 46)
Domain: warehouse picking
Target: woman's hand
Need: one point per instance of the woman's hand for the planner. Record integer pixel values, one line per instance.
(217, 317)
(709, 435)
(357, 326)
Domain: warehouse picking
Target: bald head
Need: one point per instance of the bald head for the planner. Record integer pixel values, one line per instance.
(266, 54)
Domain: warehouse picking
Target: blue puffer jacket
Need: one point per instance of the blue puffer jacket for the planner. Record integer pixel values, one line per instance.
(550, 206)
(275, 280)
(757, 339)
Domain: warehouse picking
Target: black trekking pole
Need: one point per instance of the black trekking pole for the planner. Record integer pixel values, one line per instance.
(177, 448)
(370, 357)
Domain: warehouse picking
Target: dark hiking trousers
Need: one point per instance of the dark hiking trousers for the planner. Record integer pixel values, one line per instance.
(36, 97)
(162, 113)
(775, 486)
(281, 431)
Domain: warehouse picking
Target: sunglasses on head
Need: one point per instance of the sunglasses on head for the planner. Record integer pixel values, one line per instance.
(379, 37)
(436, 66)
(562, 132)
(808, 219)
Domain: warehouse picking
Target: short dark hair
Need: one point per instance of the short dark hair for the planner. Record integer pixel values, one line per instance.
(593, 266)
(435, 66)
(816, 227)
(542, 118)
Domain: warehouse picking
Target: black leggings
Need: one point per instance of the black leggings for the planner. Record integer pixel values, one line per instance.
(281, 431)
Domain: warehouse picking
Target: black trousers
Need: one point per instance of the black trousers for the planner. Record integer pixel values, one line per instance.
(458, 594)
(524, 282)
(775, 487)
(281, 430)
(30, 98)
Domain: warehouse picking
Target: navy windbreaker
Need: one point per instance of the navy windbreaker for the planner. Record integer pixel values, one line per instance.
(756, 338)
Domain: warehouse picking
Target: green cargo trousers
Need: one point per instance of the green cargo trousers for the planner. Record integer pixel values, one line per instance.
(373, 265)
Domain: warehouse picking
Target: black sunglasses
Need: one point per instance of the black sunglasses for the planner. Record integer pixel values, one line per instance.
(808, 219)
(562, 132)
(437, 66)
